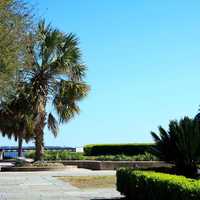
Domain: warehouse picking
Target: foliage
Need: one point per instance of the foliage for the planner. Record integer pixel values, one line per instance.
(144, 185)
(16, 120)
(114, 149)
(180, 144)
(121, 157)
(57, 155)
(15, 23)
(67, 155)
(46, 164)
(37, 164)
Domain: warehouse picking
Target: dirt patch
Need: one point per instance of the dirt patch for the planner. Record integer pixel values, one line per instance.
(87, 182)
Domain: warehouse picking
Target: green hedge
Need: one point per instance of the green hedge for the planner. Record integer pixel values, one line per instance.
(57, 155)
(114, 149)
(122, 157)
(143, 185)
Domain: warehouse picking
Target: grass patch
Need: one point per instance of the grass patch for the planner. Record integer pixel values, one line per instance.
(90, 182)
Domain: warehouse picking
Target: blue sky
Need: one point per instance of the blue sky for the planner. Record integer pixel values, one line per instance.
(143, 60)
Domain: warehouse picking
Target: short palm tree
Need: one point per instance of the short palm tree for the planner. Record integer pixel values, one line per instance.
(17, 120)
(56, 77)
(180, 144)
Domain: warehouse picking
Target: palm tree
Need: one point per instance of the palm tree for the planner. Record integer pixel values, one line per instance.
(180, 144)
(56, 77)
(16, 120)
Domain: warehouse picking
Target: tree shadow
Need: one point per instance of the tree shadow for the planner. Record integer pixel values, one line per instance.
(109, 198)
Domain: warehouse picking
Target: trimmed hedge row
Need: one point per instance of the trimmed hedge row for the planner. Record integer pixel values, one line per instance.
(143, 185)
(57, 155)
(116, 149)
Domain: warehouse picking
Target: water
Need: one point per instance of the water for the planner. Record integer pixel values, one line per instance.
(10, 154)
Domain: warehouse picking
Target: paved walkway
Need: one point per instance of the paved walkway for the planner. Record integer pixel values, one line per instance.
(44, 186)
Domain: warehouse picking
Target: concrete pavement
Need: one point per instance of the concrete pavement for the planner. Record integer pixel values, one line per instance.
(45, 186)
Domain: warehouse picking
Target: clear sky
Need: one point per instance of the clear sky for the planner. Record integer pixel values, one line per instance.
(143, 60)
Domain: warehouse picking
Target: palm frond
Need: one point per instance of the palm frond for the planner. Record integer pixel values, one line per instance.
(155, 137)
(52, 124)
(66, 111)
(65, 100)
(67, 59)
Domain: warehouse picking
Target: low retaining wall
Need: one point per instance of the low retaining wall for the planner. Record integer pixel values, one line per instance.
(32, 169)
(87, 164)
(113, 165)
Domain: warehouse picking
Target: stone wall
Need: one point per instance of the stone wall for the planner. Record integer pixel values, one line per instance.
(113, 165)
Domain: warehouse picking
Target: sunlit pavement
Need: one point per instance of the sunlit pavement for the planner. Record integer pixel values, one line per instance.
(45, 186)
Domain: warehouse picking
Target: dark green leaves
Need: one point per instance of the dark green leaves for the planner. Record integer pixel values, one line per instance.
(15, 23)
(149, 185)
(66, 98)
(180, 144)
(52, 124)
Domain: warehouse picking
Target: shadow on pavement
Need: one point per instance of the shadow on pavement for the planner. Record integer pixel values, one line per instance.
(109, 199)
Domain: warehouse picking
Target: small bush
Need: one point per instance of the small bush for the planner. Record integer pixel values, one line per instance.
(29, 154)
(115, 149)
(143, 185)
(145, 157)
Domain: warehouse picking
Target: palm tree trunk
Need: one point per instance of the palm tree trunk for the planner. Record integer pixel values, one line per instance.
(20, 149)
(39, 146)
(39, 130)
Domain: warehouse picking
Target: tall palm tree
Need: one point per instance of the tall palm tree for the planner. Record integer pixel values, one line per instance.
(56, 77)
